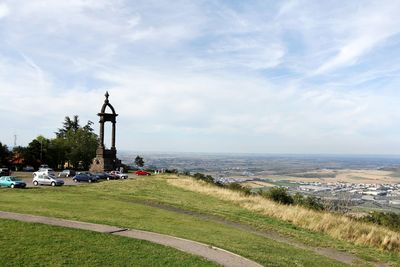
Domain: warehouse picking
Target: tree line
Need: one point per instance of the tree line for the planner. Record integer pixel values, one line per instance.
(74, 145)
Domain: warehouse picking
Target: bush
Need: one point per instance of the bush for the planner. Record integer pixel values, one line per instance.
(205, 178)
(278, 194)
(388, 219)
(187, 173)
(239, 187)
(309, 202)
(174, 171)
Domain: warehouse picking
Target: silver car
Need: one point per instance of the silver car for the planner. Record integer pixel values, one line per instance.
(43, 179)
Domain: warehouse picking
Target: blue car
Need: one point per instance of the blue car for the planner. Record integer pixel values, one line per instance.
(84, 177)
(11, 181)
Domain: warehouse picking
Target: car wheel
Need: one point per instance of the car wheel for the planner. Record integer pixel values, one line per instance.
(53, 184)
(35, 183)
(12, 186)
(89, 181)
(75, 180)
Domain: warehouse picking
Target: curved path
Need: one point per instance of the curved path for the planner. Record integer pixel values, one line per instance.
(215, 254)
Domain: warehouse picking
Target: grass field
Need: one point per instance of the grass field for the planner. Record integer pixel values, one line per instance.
(153, 204)
(30, 244)
(335, 225)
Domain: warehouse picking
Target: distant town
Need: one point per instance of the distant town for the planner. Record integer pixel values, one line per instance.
(359, 183)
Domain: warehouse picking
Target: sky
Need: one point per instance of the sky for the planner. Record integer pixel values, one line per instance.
(206, 76)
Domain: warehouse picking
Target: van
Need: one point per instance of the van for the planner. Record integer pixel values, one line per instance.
(46, 171)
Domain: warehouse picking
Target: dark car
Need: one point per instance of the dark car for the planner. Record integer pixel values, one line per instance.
(105, 176)
(67, 173)
(4, 171)
(28, 169)
(84, 177)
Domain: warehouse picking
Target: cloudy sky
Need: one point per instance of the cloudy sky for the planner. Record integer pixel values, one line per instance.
(206, 76)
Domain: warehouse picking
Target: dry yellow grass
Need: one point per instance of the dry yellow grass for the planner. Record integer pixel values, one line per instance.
(335, 225)
(257, 184)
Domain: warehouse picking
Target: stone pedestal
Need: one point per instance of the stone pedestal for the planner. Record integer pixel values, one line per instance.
(105, 160)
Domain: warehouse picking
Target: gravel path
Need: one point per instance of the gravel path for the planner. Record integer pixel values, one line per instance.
(215, 254)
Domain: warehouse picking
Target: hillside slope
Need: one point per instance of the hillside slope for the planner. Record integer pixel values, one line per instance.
(160, 204)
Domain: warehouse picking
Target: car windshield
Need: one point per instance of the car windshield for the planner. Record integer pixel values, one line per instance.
(14, 179)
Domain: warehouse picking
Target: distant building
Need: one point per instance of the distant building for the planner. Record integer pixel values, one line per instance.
(375, 193)
(314, 188)
(394, 202)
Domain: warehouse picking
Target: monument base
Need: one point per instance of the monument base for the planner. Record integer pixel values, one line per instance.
(105, 160)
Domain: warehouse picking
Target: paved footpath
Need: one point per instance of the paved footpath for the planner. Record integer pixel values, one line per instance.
(215, 254)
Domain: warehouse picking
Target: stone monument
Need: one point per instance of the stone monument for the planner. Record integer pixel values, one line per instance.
(106, 159)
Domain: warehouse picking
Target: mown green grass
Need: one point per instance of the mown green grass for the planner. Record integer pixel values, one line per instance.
(115, 203)
(30, 244)
(229, 211)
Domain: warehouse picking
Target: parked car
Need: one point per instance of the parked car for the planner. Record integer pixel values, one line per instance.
(84, 177)
(45, 171)
(106, 176)
(67, 173)
(4, 171)
(11, 181)
(43, 179)
(142, 173)
(119, 174)
(28, 169)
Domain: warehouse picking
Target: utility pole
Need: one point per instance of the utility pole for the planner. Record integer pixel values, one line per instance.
(41, 150)
(15, 140)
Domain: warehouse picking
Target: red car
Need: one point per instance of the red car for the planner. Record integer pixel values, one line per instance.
(142, 173)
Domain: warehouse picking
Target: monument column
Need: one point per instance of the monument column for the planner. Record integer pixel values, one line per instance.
(113, 136)
(101, 133)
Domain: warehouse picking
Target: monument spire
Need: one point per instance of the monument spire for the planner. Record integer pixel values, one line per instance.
(106, 95)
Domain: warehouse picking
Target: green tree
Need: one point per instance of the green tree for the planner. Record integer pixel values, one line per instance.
(74, 144)
(57, 153)
(36, 152)
(5, 155)
(81, 146)
(69, 124)
(139, 161)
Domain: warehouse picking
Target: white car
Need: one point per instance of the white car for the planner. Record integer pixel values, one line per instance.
(119, 174)
(45, 171)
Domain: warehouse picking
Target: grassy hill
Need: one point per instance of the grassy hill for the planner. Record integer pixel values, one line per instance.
(29, 244)
(179, 206)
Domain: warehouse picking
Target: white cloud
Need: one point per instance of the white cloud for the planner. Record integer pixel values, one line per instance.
(4, 10)
(363, 31)
(203, 76)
